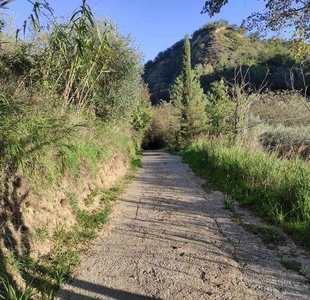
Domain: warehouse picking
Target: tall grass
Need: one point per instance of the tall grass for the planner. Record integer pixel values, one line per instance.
(277, 189)
(57, 123)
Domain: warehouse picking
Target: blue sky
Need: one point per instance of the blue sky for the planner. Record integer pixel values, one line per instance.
(154, 25)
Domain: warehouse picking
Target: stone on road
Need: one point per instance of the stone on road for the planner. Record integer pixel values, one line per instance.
(169, 239)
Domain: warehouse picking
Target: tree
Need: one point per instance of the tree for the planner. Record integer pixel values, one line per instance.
(220, 110)
(188, 100)
(278, 14)
(243, 94)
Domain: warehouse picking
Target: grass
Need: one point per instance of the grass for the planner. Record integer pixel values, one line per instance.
(276, 189)
(269, 235)
(287, 141)
(50, 271)
(58, 127)
(9, 292)
(291, 265)
(229, 203)
(45, 276)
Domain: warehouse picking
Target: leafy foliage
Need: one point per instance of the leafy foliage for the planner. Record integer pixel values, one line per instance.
(219, 109)
(163, 127)
(287, 141)
(70, 98)
(282, 107)
(279, 17)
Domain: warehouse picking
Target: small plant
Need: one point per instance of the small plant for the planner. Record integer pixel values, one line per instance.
(90, 199)
(60, 234)
(207, 187)
(61, 274)
(269, 235)
(291, 265)
(229, 203)
(304, 270)
(42, 234)
(10, 292)
(237, 217)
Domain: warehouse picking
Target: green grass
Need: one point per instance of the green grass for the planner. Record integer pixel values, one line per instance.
(229, 203)
(276, 189)
(9, 292)
(82, 151)
(269, 235)
(291, 265)
(45, 276)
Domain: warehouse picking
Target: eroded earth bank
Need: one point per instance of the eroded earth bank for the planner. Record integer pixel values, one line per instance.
(169, 239)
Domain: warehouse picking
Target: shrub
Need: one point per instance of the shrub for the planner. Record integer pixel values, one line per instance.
(287, 141)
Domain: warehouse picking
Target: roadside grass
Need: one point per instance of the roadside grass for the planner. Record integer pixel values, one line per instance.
(229, 203)
(44, 277)
(48, 149)
(291, 264)
(287, 141)
(269, 235)
(277, 189)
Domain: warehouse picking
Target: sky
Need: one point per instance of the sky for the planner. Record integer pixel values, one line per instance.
(153, 25)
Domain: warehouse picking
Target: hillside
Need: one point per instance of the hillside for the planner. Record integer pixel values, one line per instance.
(217, 48)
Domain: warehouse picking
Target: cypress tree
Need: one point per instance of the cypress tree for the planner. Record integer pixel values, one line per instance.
(186, 73)
(189, 101)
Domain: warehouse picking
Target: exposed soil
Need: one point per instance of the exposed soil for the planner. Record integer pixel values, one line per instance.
(169, 239)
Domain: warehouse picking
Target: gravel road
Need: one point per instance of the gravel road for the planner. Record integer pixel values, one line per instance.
(169, 239)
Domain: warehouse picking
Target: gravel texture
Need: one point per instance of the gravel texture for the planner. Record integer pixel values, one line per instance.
(169, 239)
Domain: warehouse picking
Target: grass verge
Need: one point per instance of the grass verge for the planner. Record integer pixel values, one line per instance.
(276, 189)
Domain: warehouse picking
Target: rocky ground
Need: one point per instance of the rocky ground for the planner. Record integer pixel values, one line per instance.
(170, 239)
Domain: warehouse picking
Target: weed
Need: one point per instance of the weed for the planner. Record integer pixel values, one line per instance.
(269, 235)
(10, 292)
(229, 203)
(237, 217)
(291, 265)
(304, 270)
(59, 233)
(73, 201)
(136, 163)
(276, 189)
(42, 234)
(90, 199)
(207, 187)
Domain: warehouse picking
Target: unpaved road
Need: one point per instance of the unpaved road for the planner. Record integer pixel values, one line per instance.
(168, 239)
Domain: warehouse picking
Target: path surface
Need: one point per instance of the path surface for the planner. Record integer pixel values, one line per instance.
(168, 239)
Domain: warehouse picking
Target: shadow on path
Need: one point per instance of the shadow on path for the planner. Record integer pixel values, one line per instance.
(100, 290)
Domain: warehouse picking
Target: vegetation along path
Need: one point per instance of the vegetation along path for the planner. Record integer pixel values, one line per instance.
(169, 239)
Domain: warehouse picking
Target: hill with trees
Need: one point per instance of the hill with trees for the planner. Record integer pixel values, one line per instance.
(217, 49)
(253, 140)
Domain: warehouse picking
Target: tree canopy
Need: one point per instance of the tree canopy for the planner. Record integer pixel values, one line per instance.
(278, 16)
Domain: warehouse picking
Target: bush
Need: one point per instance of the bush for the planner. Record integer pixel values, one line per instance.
(162, 130)
(282, 107)
(287, 141)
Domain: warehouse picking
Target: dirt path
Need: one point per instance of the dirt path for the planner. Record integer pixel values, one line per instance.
(168, 239)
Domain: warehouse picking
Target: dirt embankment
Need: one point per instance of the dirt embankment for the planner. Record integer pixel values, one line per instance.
(168, 239)
(25, 213)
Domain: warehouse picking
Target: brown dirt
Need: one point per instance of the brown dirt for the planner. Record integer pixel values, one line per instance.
(52, 208)
(168, 239)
